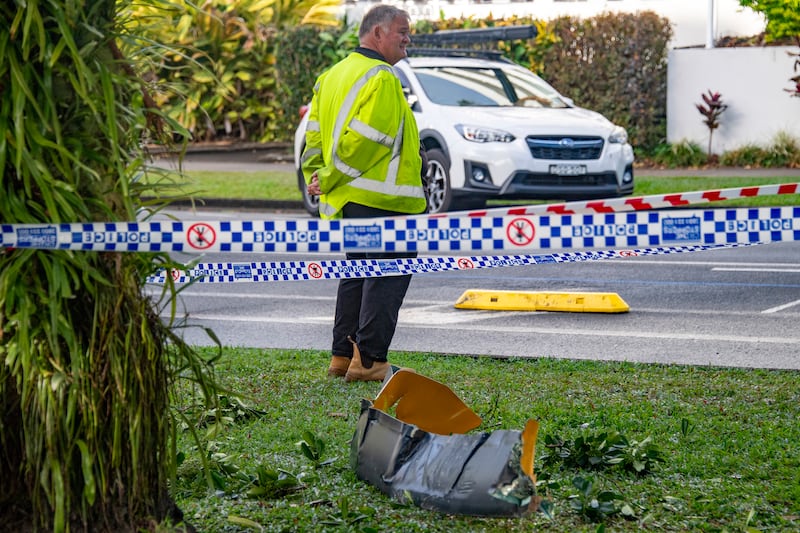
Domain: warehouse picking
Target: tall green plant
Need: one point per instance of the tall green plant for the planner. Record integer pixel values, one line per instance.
(218, 80)
(289, 13)
(86, 362)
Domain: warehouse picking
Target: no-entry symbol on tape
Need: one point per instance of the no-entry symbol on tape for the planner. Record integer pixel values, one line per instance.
(465, 263)
(314, 270)
(201, 236)
(520, 232)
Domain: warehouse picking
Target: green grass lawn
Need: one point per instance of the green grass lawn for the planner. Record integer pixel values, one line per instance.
(283, 186)
(729, 439)
(647, 186)
(232, 185)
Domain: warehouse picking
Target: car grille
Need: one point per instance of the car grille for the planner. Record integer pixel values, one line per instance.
(565, 148)
(540, 180)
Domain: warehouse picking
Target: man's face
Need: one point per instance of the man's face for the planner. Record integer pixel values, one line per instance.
(392, 43)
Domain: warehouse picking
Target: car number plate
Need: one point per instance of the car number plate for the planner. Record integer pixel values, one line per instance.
(568, 170)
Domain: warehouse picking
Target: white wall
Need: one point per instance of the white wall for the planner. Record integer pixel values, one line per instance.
(751, 82)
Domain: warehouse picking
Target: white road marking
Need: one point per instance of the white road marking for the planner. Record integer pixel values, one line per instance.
(755, 269)
(252, 296)
(780, 307)
(407, 324)
(266, 296)
(681, 262)
(626, 334)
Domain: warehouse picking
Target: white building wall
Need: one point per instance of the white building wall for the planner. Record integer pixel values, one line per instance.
(751, 81)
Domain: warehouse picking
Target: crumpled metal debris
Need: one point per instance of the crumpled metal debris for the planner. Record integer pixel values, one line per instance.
(424, 453)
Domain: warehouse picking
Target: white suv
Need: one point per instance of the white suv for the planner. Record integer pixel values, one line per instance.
(494, 130)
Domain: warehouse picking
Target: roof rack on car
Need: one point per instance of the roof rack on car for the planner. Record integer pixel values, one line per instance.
(456, 52)
(441, 42)
(473, 36)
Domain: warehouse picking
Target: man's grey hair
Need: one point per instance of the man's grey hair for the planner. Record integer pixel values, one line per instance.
(380, 15)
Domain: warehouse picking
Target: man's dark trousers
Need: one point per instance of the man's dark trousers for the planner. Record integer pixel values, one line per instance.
(367, 308)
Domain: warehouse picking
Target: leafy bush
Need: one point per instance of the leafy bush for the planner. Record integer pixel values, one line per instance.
(783, 17)
(303, 53)
(748, 155)
(90, 360)
(593, 503)
(615, 64)
(601, 450)
(783, 151)
(681, 154)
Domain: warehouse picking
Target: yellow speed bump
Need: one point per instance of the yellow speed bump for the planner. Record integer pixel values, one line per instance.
(571, 302)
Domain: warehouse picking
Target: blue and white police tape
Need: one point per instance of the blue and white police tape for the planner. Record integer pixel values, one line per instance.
(367, 268)
(200, 236)
(450, 234)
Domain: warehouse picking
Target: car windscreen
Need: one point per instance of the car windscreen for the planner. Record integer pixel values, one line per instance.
(486, 87)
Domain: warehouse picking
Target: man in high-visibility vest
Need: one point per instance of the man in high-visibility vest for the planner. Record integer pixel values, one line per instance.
(363, 159)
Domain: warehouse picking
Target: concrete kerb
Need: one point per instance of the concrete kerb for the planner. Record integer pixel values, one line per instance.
(233, 157)
(234, 151)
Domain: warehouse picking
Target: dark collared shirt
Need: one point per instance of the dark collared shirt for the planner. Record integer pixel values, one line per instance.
(370, 53)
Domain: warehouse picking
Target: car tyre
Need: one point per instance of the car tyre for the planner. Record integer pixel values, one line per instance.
(439, 193)
(310, 201)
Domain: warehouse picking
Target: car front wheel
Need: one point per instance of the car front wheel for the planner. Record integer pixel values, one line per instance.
(310, 201)
(440, 196)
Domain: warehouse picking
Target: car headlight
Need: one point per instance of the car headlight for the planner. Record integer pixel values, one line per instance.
(618, 135)
(478, 134)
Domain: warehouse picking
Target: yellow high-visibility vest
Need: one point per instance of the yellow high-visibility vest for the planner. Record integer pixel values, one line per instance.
(362, 140)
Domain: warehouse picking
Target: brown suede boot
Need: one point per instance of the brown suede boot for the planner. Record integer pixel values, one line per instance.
(338, 366)
(364, 369)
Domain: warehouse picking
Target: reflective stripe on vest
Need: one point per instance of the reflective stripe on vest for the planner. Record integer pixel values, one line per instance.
(371, 133)
(311, 125)
(308, 154)
(326, 209)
